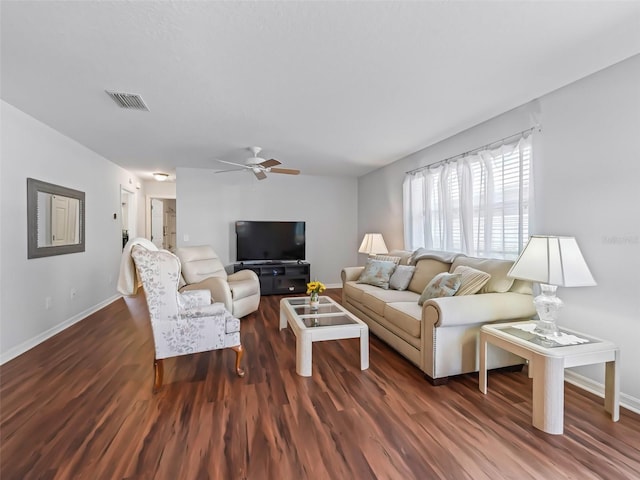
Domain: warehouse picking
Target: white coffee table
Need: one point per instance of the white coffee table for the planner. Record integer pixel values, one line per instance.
(329, 322)
(547, 361)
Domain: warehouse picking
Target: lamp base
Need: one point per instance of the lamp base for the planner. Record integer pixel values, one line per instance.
(546, 328)
(547, 306)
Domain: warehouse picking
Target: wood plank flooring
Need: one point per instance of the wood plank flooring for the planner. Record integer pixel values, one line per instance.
(79, 406)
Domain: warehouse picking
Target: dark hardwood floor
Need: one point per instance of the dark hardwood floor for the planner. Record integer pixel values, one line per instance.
(79, 406)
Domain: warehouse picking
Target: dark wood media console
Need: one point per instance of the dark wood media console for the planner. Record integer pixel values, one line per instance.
(279, 278)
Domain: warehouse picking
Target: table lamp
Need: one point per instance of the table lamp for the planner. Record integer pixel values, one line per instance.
(373, 243)
(553, 262)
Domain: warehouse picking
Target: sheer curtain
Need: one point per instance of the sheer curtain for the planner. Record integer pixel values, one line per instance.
(477, 204)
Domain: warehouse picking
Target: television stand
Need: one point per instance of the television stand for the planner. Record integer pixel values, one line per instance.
(279, 278)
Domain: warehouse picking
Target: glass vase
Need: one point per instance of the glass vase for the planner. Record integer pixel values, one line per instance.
(314, 301)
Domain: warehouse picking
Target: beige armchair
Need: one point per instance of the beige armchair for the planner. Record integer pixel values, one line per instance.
(202, 268)
(182, 323)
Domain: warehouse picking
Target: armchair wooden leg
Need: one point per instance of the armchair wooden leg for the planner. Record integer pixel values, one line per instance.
(158, 368)
(239, 352)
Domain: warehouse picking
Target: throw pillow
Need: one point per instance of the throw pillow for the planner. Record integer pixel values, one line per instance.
(471, 280)
(387, 258)
(401, 277)
(377, 273)
(442, 285)
(498, 269)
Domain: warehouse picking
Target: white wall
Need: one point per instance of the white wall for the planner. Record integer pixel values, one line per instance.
(31, 149)
(156, 189)
(208, 205)
(589, 186)
(587, 177)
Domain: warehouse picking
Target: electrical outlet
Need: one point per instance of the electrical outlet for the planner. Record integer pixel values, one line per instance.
(73, 293)
(47, 303)
(185, 237)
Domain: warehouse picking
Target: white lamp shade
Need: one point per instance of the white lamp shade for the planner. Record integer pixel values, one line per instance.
(373, 243)
(554, 261)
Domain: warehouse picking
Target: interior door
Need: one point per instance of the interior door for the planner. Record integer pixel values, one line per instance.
(157, 222)
(127, 214)
(59, 220)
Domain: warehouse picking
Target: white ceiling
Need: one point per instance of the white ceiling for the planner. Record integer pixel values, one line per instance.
(331, 88)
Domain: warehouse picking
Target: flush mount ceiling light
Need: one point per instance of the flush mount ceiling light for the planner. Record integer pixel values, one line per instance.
(161, 177)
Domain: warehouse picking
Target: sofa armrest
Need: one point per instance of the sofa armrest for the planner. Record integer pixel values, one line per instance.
(477, 309)
(350, 274)
(219, 288)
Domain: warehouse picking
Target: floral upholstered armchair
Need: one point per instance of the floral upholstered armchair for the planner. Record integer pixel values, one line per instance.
(182, 323)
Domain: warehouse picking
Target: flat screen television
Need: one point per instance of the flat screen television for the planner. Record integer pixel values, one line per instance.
(270, 241)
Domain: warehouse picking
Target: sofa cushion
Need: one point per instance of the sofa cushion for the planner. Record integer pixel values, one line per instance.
(401, 277)
(522, 286)
(426, 269)
(498, 269)
(471, 280)
(355, 290)
(405, 256)
(406, 316)
(376, 300)
(377, 273)
(443, 285)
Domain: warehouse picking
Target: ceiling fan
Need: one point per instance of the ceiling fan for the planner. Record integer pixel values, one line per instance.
(259, 166)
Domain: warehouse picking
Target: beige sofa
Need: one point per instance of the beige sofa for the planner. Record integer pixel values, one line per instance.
(440, 337)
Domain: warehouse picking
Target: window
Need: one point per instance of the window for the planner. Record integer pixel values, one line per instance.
(477, 204)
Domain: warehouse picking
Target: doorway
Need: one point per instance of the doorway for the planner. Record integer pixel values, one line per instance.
(163, 223)
(127, 214)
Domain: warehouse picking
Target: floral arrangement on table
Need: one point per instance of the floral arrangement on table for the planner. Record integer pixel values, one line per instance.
(314, 289)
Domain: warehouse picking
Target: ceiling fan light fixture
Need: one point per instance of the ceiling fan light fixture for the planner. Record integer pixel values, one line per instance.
(161, 177)
(255, 150)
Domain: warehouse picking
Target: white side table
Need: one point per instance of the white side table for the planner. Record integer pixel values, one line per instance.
(547, 362)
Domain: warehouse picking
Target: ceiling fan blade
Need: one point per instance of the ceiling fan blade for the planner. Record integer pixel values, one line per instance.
(270, 163)
(236, 164)
(260, 175)
(288, 171)
(231, 170)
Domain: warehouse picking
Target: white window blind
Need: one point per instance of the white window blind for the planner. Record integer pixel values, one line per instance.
(477, 204)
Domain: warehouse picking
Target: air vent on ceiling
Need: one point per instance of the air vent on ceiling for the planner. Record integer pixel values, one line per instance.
(128, 100)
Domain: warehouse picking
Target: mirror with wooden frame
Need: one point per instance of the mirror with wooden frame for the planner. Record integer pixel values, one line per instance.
(55, 219)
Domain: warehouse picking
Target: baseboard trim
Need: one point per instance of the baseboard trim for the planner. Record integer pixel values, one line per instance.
(38, 339)
(626, 401)
(333, 285)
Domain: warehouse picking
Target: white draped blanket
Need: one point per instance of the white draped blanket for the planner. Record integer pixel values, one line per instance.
(127, 280)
